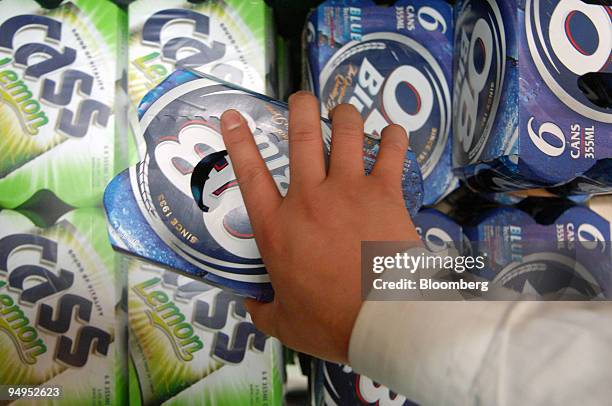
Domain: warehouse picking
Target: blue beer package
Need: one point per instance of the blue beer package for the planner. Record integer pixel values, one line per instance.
(557, 252)
(596, 181)
(439, 231)
(334, 384)
(394, 64)
(520, 117)
(156, 213)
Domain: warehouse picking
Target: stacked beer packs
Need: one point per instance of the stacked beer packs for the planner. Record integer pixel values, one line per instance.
(526, 110)
(394, 64)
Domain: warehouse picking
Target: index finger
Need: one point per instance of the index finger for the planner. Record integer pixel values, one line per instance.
(259, 192)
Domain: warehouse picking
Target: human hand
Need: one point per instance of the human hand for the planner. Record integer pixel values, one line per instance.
(310, 240)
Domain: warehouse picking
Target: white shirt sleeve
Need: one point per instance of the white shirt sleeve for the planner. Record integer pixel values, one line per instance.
(487, 353)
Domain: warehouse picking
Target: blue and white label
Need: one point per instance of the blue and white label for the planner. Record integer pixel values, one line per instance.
(567, 39)
(480, 42)
(392, 79)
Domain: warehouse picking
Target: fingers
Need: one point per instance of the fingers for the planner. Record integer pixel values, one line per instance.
(262, 315)
(347, 142)
(259, 192)
(305, 141)
(390, 161)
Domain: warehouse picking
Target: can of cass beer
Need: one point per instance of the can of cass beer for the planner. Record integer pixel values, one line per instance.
(193, 344)
(229, 39)
(58, 70)
(62, 308)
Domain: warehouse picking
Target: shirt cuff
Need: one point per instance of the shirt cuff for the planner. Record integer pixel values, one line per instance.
(411, 346)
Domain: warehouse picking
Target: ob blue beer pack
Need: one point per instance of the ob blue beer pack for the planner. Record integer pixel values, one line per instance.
(167, 211)
(522, 115)
(394, 64)
(554, 252)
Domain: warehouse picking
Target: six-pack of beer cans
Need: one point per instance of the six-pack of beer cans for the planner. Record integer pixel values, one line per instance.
(125, 247)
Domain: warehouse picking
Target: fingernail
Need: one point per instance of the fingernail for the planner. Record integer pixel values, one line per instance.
(230, 120)
(299, 93)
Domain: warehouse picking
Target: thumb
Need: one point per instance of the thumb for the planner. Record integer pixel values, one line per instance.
(263, 316)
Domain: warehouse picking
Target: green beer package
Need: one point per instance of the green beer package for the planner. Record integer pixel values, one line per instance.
(229, 39)
(58, 74)
(62, 320)
(193, 344)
